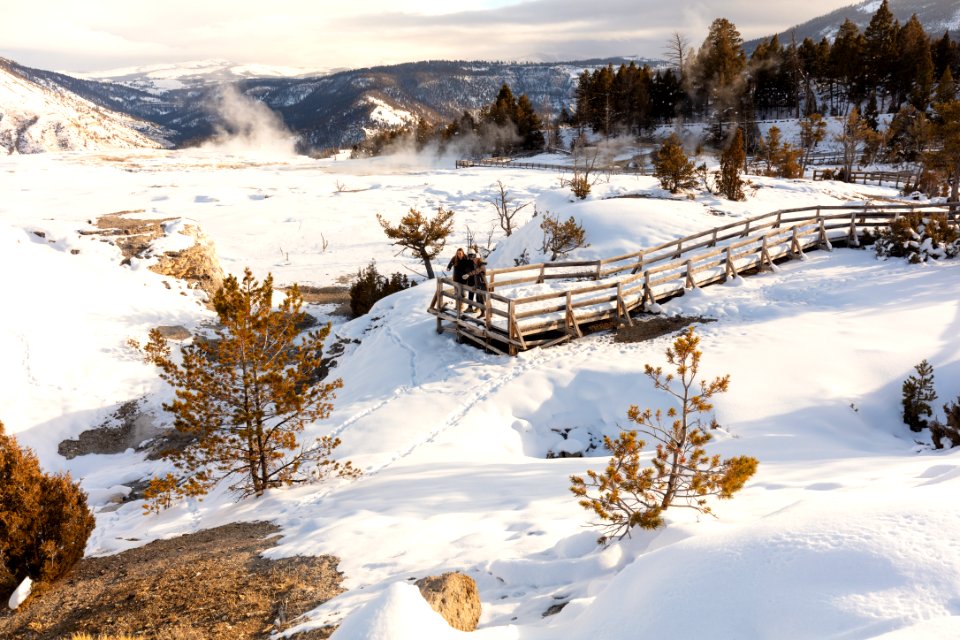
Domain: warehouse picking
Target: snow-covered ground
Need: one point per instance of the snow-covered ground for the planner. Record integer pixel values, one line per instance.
(847, 530)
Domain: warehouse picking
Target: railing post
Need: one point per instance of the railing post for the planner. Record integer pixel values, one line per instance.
(689, 283)
(729, 269)
(647, 290)
(540, 278)
(746, 229)
(852, 238)
(713, 241)
(599, 266)
(439, 301)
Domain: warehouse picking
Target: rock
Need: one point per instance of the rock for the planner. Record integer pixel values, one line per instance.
(128, 428)
(198, 264)
(455, 597)
(174, 332)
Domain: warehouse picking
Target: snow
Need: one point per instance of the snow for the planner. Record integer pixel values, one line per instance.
(845, 532)
(399, 613)
(20, 594)
(385, 115)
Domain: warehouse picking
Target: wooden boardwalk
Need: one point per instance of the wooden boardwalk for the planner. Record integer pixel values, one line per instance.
(548, 303)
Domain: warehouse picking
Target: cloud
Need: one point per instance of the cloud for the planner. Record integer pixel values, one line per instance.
(323, 35)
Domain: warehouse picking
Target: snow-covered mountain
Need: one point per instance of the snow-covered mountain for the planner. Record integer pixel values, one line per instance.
(37, 117)
(334, 110)
(936, 16)
(160, 78)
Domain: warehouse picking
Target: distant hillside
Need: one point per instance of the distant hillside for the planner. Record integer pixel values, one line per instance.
(37, 116)
(936, 16)
(335, 110)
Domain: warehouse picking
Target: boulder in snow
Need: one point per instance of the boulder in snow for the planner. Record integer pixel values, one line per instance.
(455, 597)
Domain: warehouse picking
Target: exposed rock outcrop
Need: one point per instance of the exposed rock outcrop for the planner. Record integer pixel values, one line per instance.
(455, 597)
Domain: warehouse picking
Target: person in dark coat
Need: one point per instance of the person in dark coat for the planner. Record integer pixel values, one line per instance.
(477, 278)
(461, 265)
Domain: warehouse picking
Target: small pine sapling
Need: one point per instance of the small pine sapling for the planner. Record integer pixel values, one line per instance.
(918, 394)
(681, 472)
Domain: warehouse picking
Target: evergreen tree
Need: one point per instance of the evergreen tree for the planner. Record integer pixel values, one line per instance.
(813, 130)
(880, 49)
(720, 62)
(425, 238)
(730, 184)
(672, 167)
(681, 472)
(243, 398)
(846, 67)
(946, 135)
(946, 88)
(918, 393)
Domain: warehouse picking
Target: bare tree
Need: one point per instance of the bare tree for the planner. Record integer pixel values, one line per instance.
(584, 164)
(505, 207)
(676, 50)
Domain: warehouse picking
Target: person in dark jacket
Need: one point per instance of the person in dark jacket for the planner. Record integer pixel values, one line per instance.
(477, 278)
(461, 265)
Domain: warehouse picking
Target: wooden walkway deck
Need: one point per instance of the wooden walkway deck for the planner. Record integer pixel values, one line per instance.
(543, 304)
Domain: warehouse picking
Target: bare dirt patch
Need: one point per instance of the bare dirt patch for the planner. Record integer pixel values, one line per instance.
(210, 585)
(650, 327)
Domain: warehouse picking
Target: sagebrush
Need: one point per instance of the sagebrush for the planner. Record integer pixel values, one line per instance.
(44, 519)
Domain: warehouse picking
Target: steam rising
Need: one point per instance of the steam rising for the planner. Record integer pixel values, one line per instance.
(247, 126)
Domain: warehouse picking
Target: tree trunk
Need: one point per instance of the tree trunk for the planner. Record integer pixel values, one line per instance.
(427, 265)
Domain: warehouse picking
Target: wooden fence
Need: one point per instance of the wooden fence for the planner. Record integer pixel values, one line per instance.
(507, 163)
(520, 310)
(863, 177)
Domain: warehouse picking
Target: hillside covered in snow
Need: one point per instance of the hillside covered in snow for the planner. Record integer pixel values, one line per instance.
(35, 117)
(846, 531)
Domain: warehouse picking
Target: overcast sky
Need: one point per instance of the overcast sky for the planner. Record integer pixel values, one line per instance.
(94, 35)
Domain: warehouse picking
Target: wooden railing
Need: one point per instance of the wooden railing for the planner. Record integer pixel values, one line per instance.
(615, 286)
(507, 163)
(863, 177)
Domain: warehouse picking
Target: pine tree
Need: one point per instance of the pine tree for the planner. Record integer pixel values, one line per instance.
(813, 130)
(730, 184)
(880, 48)
(946, 88)
(918, 394)
(946, 156)
(720, 62)
(672, 167)
(425, 238)
(681, 472)
(244, 396)
(44, 519)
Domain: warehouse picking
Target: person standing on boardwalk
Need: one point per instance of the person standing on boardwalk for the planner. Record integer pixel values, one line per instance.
(461, 266)
(477, 278)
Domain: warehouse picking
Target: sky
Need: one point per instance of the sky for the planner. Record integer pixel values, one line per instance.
(97, 35)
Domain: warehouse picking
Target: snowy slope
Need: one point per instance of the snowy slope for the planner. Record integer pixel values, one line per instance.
(34, 118)
(845, 532)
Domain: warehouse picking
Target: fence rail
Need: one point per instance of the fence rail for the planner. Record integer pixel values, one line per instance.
(864, 177)
(507, 317)
(507, 163)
